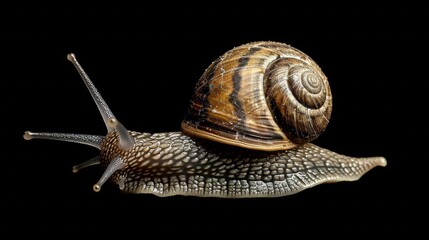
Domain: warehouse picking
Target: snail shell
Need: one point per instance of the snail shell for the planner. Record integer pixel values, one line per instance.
(261, 95)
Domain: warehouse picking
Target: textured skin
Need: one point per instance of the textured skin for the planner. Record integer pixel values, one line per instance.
(172, 163)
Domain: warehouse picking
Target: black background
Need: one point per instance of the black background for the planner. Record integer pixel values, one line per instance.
(145, 69)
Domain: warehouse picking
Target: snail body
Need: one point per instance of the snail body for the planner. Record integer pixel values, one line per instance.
(247, 133)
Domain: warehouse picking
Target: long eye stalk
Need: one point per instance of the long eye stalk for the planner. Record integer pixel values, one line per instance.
(126, 142)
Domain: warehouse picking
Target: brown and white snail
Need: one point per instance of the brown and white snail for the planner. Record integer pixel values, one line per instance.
(246, 134)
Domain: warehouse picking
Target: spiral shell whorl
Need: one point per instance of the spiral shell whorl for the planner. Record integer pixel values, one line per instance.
(299, 96)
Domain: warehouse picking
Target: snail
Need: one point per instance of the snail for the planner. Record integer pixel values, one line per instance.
(247, 133)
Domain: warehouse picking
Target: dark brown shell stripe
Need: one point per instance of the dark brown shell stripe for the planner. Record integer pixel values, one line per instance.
(229, 103)
(236, 78)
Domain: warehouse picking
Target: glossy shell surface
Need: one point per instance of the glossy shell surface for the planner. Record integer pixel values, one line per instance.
(262, 95)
